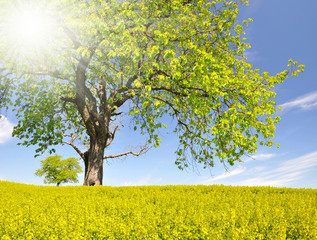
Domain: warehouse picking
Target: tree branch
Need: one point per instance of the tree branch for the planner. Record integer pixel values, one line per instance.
(67, 99)
(112, 135)
(143, 150)
(71, 143)
(54, 74)
(71, 35)
(176, 113)
(127, 87)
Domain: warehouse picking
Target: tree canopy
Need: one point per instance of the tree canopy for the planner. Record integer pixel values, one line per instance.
(182, 58)
(56, 170)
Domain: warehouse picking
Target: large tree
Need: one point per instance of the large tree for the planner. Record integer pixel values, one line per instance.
(96, 59)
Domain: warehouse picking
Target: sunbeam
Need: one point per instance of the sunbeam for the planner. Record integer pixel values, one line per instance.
(27, 29)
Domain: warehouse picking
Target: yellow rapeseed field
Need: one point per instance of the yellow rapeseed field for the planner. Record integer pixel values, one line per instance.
(156, 212)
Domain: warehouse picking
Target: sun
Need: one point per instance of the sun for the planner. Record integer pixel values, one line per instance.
(27, 28)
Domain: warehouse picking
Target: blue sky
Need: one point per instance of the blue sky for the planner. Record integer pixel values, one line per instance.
(281, 30)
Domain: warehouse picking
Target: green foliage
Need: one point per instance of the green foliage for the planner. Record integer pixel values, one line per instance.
(5, 89)
(183, 59)
(156, 212)
(56, 170)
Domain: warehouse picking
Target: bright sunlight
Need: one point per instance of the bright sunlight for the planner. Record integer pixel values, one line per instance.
(27, 27)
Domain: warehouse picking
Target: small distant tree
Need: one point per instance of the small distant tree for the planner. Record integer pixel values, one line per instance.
(59, 171)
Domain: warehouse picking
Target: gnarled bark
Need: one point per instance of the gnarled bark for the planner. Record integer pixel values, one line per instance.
(94, 163)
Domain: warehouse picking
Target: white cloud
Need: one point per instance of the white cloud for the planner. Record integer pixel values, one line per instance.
(283, 175)
(263, 156)
(225, 175)
(298, 164)
(260, 181)
(288, 171)
(260, 156)
(6, 128)
(252, 56)
(305, 102)
(145, 180)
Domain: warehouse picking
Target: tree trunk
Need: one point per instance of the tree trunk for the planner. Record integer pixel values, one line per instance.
(58, 184)
(94, 163)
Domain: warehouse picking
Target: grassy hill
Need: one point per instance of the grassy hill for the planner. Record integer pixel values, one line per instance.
(156, 212)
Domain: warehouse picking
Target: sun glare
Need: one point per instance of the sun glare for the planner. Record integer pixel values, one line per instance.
(27, 28)
(30, 29)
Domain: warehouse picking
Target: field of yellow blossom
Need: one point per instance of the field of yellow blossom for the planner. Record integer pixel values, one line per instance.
(156, 212)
